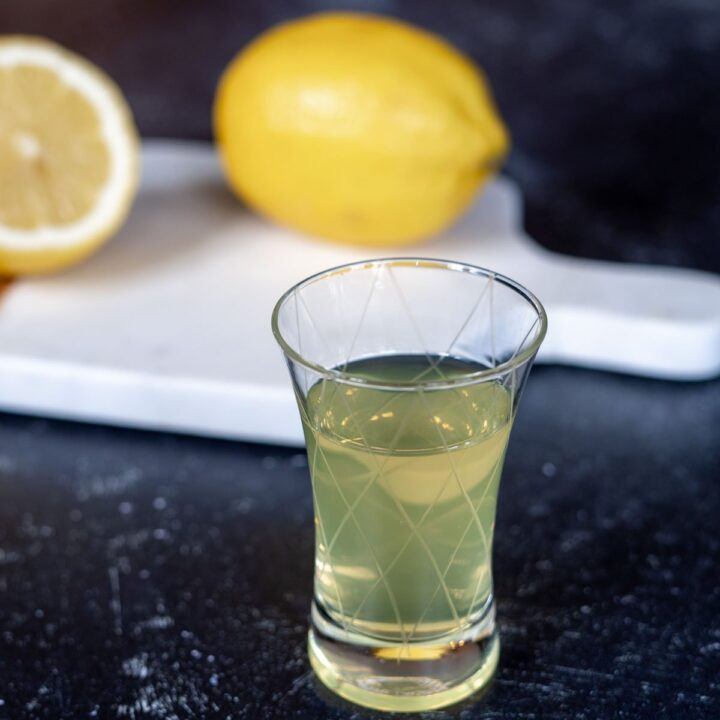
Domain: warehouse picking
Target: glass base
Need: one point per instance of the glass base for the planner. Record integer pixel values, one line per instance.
(404, 678)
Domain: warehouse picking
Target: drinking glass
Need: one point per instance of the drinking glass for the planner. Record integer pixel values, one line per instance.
(407, 374)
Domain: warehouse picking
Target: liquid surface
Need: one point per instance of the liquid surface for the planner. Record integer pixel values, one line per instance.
(405, 486)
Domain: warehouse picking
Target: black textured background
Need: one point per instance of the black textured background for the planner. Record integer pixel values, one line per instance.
(148, 575)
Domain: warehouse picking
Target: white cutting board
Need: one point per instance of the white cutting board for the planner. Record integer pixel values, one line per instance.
(168, 326)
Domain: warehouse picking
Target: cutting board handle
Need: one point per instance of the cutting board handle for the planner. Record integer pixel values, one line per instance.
(640, 319)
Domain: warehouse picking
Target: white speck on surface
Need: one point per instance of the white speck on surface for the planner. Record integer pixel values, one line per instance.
(115, 602)
(157, 622)
(710, 648)
(99, 486)
(136, 666)
(8, 557)
(125, 508)
(574, 539)
(243, 505)
(127, 541)
(538, 510)
(163, 693)
(196, 654)
(266, 624)
(298, 460)
(159, 503)
(548, 469)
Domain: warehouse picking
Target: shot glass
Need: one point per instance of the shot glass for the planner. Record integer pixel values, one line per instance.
(407, 373)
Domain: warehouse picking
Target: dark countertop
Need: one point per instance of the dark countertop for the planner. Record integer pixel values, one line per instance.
(148, 575)
(156, 576)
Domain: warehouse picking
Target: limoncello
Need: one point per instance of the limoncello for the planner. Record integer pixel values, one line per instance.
(405, 482)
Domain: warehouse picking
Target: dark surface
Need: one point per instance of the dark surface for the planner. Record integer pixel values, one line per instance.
(155, 576)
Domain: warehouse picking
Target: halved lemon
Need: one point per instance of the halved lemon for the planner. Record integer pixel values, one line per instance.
(69, 156)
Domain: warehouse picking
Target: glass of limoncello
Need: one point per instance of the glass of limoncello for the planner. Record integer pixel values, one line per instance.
(407, 374)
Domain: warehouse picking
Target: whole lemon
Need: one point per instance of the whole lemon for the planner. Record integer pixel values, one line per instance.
(357, 128)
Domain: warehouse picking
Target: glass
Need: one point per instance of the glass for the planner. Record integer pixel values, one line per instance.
(407, 374)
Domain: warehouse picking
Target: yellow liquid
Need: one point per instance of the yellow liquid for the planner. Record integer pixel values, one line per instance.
(405, 486)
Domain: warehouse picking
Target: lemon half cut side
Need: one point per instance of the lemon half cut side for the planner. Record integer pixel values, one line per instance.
(69, 156)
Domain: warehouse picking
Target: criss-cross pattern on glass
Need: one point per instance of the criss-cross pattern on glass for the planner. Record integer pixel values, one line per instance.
(405, 482)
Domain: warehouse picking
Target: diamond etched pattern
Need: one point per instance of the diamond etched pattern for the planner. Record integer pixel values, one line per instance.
(405, 481)
(449, 508)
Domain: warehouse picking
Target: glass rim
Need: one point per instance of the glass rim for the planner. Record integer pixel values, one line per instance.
(457, 381)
